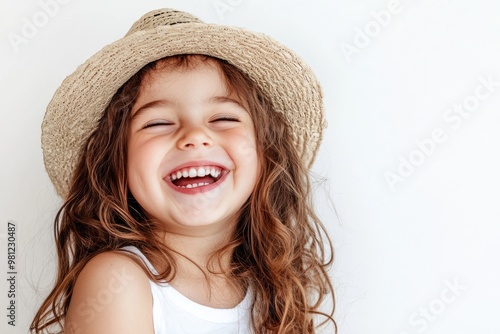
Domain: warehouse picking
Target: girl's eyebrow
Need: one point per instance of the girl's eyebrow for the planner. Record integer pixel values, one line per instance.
(152, 104)
(226, 99)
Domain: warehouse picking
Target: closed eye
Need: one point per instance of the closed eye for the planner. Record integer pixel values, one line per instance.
(156, 123)
(225, 119)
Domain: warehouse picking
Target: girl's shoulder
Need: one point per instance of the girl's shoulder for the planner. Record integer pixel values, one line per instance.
(112, 294)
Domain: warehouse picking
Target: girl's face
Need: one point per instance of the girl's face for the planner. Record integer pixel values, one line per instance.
(192, 160)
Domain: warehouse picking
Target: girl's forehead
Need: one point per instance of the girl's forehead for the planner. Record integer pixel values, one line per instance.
(200, 82)
(224, 79)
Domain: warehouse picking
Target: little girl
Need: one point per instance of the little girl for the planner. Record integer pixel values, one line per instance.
(181, 151)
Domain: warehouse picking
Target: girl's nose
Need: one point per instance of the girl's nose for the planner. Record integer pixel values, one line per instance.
(193, 138)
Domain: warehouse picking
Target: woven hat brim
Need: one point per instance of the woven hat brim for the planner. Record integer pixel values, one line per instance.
(79, 102)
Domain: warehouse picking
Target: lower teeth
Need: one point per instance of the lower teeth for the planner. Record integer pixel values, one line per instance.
(195, 185)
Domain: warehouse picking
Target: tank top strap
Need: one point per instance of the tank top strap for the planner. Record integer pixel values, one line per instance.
(134, 250)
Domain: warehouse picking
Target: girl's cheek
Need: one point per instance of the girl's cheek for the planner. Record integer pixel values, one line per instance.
(247, 147)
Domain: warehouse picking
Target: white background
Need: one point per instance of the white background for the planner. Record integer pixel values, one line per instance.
(398, 249)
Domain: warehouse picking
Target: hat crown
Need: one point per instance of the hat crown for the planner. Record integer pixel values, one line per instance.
(162, 17)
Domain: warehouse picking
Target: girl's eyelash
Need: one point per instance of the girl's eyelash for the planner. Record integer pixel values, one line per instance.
(226, 118)
(154, 123)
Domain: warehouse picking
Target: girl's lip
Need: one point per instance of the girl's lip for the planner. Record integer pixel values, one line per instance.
(201, 189)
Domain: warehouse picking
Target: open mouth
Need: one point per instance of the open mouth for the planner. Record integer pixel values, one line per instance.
(194, 177)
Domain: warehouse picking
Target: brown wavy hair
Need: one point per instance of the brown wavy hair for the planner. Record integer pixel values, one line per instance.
(279, 247)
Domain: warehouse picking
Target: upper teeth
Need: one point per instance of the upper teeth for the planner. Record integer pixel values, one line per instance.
(196, 172)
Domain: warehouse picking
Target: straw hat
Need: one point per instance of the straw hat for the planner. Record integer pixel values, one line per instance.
(79, 102)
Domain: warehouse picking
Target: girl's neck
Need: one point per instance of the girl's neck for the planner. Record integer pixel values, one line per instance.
(194, 246)
(199, 276)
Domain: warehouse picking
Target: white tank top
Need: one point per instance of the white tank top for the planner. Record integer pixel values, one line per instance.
(173, 313)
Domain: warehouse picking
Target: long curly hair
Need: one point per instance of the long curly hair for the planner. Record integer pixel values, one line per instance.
(279, 247)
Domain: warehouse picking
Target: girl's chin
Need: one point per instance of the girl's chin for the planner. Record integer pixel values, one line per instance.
(193, 222)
